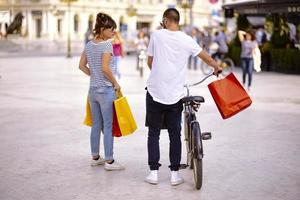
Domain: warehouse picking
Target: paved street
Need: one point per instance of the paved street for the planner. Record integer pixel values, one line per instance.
(45, 152)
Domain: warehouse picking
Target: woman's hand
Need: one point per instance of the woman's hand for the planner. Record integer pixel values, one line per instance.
(117, 87)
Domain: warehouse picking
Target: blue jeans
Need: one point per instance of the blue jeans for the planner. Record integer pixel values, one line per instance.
(101, 101)
(118, 60)
(247, 66)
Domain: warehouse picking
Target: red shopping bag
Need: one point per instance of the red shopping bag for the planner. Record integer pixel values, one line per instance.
(229, 96)
(116, 128)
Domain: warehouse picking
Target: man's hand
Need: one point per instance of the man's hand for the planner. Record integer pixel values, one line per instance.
(217, 70)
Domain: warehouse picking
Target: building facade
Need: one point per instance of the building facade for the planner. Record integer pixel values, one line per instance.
(54, 19)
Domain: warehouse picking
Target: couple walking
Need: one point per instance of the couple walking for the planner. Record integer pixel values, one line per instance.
(168, 52)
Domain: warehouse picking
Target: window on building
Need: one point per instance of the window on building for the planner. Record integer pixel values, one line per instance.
(76, 23)
(59, 22)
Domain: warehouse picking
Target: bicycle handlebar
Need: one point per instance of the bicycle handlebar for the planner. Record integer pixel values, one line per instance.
(197, 83)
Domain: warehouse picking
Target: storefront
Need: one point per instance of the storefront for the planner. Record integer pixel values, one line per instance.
(281, 21)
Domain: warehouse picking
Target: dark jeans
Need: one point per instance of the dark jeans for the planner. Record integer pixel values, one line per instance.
(247, 66)
(159, 116)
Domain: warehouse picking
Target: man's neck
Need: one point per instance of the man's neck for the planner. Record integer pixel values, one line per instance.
(173, 27)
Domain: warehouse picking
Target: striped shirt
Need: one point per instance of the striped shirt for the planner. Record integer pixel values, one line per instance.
(94, 52)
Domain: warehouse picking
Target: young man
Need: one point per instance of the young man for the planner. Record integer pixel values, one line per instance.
(168, 53)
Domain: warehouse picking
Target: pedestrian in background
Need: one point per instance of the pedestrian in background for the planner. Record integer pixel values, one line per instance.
(248, 43)
(98, 56)
(141, 43)
(193, 61)
(221, 40)
(168, 53)
(88, 36)
(118, 49)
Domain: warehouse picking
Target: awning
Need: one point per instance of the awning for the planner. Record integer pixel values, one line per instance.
(264, 6)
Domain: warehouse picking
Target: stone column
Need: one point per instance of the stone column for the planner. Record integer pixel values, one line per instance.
(45, 18)
(29, 24)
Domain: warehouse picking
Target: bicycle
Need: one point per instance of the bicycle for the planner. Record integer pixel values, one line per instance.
(225, 62)
(193, 135)
(142, 61)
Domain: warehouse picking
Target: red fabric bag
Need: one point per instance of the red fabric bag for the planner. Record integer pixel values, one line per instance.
(115, 127)
(229, 96)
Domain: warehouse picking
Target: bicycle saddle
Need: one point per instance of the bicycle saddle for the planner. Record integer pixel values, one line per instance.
(199, 99)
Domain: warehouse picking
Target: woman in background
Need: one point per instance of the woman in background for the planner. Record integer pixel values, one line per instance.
(118, 47)
(248, 43)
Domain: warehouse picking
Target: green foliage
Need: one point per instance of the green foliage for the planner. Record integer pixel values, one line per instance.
(280, 37)
(286, 60)
(242, 24)
(235, 53)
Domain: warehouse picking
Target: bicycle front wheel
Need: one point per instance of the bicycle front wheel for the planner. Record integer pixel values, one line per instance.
(198, 172)
(197, 155)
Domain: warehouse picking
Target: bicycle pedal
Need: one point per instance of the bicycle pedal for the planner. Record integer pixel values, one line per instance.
(206, 136)
(183, 166)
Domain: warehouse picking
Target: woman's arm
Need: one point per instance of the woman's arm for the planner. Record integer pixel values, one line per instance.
(83, 63)
(241, 35)
(107, 72)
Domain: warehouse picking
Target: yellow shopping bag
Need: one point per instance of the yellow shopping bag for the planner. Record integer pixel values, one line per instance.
(124, 116)
(88, 114)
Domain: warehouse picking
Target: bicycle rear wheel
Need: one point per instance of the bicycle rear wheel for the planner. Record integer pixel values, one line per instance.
(197, 155)
(206, 69)
(227, 66)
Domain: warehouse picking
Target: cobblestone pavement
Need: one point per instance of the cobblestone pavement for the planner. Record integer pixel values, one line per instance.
(44, 148)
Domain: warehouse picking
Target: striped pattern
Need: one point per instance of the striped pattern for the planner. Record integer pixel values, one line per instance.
(94, 53)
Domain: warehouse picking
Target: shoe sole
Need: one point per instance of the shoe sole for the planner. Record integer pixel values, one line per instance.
(151, 182)
(178, 183)
(116, 169)
(93, 165)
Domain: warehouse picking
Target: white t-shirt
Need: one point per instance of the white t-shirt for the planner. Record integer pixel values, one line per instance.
(170, 51)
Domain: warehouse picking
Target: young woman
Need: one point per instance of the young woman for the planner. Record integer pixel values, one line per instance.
(118, 51)
(248, 45)
(98, 56)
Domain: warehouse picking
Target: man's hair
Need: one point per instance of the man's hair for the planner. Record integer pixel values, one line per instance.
(172, 14)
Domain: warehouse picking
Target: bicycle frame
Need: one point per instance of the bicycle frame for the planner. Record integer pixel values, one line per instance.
(189, 120)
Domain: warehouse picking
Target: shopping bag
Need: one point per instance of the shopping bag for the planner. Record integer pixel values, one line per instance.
(256, 59)
(115, 127)
(88, 114)
(124, 117)
(229, 96)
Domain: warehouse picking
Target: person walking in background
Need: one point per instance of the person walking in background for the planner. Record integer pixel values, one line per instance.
(193, 61)
(118, 49)
(168, 53)
(101, 69)
(248, 43)
(88, 36)
(221, 40)
(141, 43)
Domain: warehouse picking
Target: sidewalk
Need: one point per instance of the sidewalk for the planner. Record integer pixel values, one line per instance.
(21, 47)
(45, 152)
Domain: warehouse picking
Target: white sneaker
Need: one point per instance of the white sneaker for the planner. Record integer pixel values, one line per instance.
(113, 167)
(100, 161)
(152, 178)
(176, 179)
